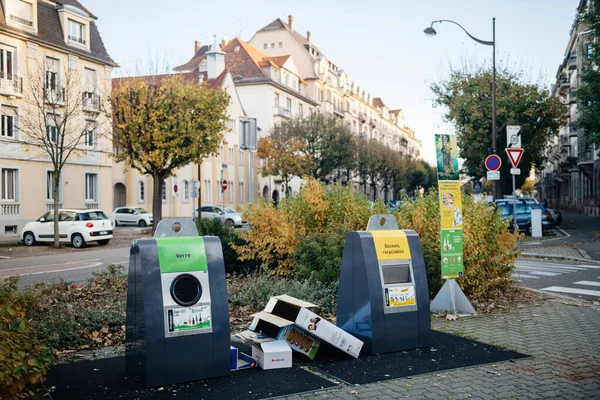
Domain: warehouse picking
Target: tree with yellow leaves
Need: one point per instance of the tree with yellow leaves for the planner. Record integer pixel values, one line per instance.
(164, 123)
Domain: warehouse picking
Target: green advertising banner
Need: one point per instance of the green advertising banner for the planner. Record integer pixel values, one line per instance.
(450, 206)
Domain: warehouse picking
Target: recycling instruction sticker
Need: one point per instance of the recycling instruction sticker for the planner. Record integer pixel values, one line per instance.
(189, 318)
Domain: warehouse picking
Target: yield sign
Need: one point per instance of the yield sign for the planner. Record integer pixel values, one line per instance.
(514, 155)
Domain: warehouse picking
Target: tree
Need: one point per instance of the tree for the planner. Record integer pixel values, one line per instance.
(282, 154)
(588, 94)
(163, 124)
(60, 120)
(466, 96)
(528, 187)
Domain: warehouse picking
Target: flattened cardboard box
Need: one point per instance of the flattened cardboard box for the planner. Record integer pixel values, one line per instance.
(289, 308)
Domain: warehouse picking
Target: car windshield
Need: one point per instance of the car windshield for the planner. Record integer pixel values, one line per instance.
(229, 210)
(93, 216)
(141, 210)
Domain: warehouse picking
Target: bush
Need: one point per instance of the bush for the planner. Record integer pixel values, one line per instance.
(253, 291)
(229, 237)
(24, 359)
(318, 256)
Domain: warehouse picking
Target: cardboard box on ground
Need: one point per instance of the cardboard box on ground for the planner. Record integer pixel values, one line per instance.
(290, 319)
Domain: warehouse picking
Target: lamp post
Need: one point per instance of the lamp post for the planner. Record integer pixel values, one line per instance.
(431, 32)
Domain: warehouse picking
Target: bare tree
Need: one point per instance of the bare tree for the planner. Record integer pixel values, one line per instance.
(59, 119)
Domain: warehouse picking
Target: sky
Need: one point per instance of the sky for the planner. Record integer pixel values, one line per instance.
(380, 44)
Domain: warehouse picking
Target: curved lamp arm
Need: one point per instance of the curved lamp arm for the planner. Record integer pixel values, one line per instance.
(485, 42)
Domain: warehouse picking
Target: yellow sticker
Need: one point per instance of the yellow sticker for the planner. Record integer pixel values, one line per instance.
(391, 245)
(450, 204)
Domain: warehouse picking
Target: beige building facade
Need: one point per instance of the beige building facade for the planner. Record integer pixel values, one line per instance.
(52, 50)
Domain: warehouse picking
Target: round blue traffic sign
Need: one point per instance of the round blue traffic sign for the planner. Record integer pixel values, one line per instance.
(493, 162)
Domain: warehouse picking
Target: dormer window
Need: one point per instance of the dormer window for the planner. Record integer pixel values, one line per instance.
(22, 13)
(76, 32)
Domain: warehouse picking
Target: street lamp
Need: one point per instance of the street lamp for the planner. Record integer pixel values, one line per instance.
(431, 32)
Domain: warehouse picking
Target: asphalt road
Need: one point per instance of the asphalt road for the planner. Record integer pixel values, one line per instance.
(584, 231)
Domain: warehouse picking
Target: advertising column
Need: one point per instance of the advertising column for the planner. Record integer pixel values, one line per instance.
(450, 206)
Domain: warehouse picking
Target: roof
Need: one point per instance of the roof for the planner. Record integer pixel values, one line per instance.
(197, 59)
(280, 60)
(50, 32)
(189, 77)
(244, 59)
(280, 24)
(377, 102)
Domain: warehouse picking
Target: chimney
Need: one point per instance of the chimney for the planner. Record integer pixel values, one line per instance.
(223, 43)
(215, 61)
(197, 46)
(291, 22)
(308, 37)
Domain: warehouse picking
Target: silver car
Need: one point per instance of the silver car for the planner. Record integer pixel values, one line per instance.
(227, 215)
(131, 216)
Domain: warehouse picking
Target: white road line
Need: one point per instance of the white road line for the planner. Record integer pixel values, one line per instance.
(561, 289)
(544, 273)
(558, 270)
(524, 276)
(4, 257)
(540, 265)
(55, 270)
(589, 283)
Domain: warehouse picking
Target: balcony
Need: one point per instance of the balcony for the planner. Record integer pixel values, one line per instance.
(373, 122)
(50, 206)
(339, 111)
(362, 117)
(10, 209)
(404, 142)
(11, 84)
(91, 102)
(585, 157)
(54, 95)
(92, 206)
(564, 140)
(282, 112)
(572, 62)
(572, 129)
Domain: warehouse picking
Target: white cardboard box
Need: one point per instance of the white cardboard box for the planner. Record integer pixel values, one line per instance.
(273, 354)
(291, 309)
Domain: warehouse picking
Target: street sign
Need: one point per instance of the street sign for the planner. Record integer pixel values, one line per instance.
(224, 184)
(515, 171)
(513, 136)
(493, 162)
(224, 166)
(175, 186)
(477, 187)
(514, 155)
(493, 175)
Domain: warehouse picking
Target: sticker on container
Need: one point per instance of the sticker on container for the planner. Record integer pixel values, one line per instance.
(189, 318)
(400, 296)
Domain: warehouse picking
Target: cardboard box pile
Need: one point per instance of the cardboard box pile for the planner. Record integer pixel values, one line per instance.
(290, 320)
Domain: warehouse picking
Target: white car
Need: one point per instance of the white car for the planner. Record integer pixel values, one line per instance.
(227, 215)
(77, 227)
(131, 216)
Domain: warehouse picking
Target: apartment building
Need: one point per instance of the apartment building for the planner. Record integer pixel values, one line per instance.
(51, 50)
(269, 89)
(234, 161)
(570, 179)
(335, 92)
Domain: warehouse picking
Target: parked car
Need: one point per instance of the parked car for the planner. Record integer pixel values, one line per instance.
(227, 215)
(131, 216)
(523, 216)
(556, 216)
(77, 227)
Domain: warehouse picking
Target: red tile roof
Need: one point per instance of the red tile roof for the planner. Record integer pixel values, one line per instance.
(188, 77)
(377, 102)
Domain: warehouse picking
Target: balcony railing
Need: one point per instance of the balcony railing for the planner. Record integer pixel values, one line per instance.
(572, 129)
(564, 140)
(92, 206)
(572, 95)
(572, 62)
(10, 209)
(281, 111)
(10, 83)
(404, 142)
(91, 101)
(586, 156)
(54, 95)
(50, 206)
(77, 39)
(362, 117)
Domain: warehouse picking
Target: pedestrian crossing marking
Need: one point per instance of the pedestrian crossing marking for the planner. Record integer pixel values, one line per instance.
(588, 283)
(561, 289)
(544, 273)
(524, 276)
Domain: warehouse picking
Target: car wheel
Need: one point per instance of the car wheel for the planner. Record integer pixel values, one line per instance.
(103, 242)
(29, 239)
(142, 223)
(116, 223)
(229, 223)
(77, 241)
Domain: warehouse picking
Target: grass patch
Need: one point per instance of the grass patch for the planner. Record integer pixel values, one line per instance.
(11, 244)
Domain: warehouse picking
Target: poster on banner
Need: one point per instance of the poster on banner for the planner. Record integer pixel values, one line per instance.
(450, 204)
(452, 253)
(446, 151)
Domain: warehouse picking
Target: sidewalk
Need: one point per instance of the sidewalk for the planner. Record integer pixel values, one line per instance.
(562, 338)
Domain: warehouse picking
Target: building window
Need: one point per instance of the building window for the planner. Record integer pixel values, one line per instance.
(7, 63)
(8, 122)
(89, 136)
(276, 100)
(300, 110)
(265, 46)
(207, 191)
(230, 160)
(51, 73)
(22, 12)
(240, 157)
(163, 191)
(50, 185)
(9, 184)
(231, 191)
(186, 190)
(272, 45)
(51, 133)
(280, 45)
(76, 32)
(241, 192)
(588, 51)
(141, 192)
(91, 187)
(289, 104)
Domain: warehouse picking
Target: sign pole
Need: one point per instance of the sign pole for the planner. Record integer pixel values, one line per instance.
(515, 225)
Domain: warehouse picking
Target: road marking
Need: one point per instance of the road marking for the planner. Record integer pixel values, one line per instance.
(524, 276)
(589, 283)
(560, 289)
(544, 273)
(49, 268)
(4, 257)
(551, 269)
